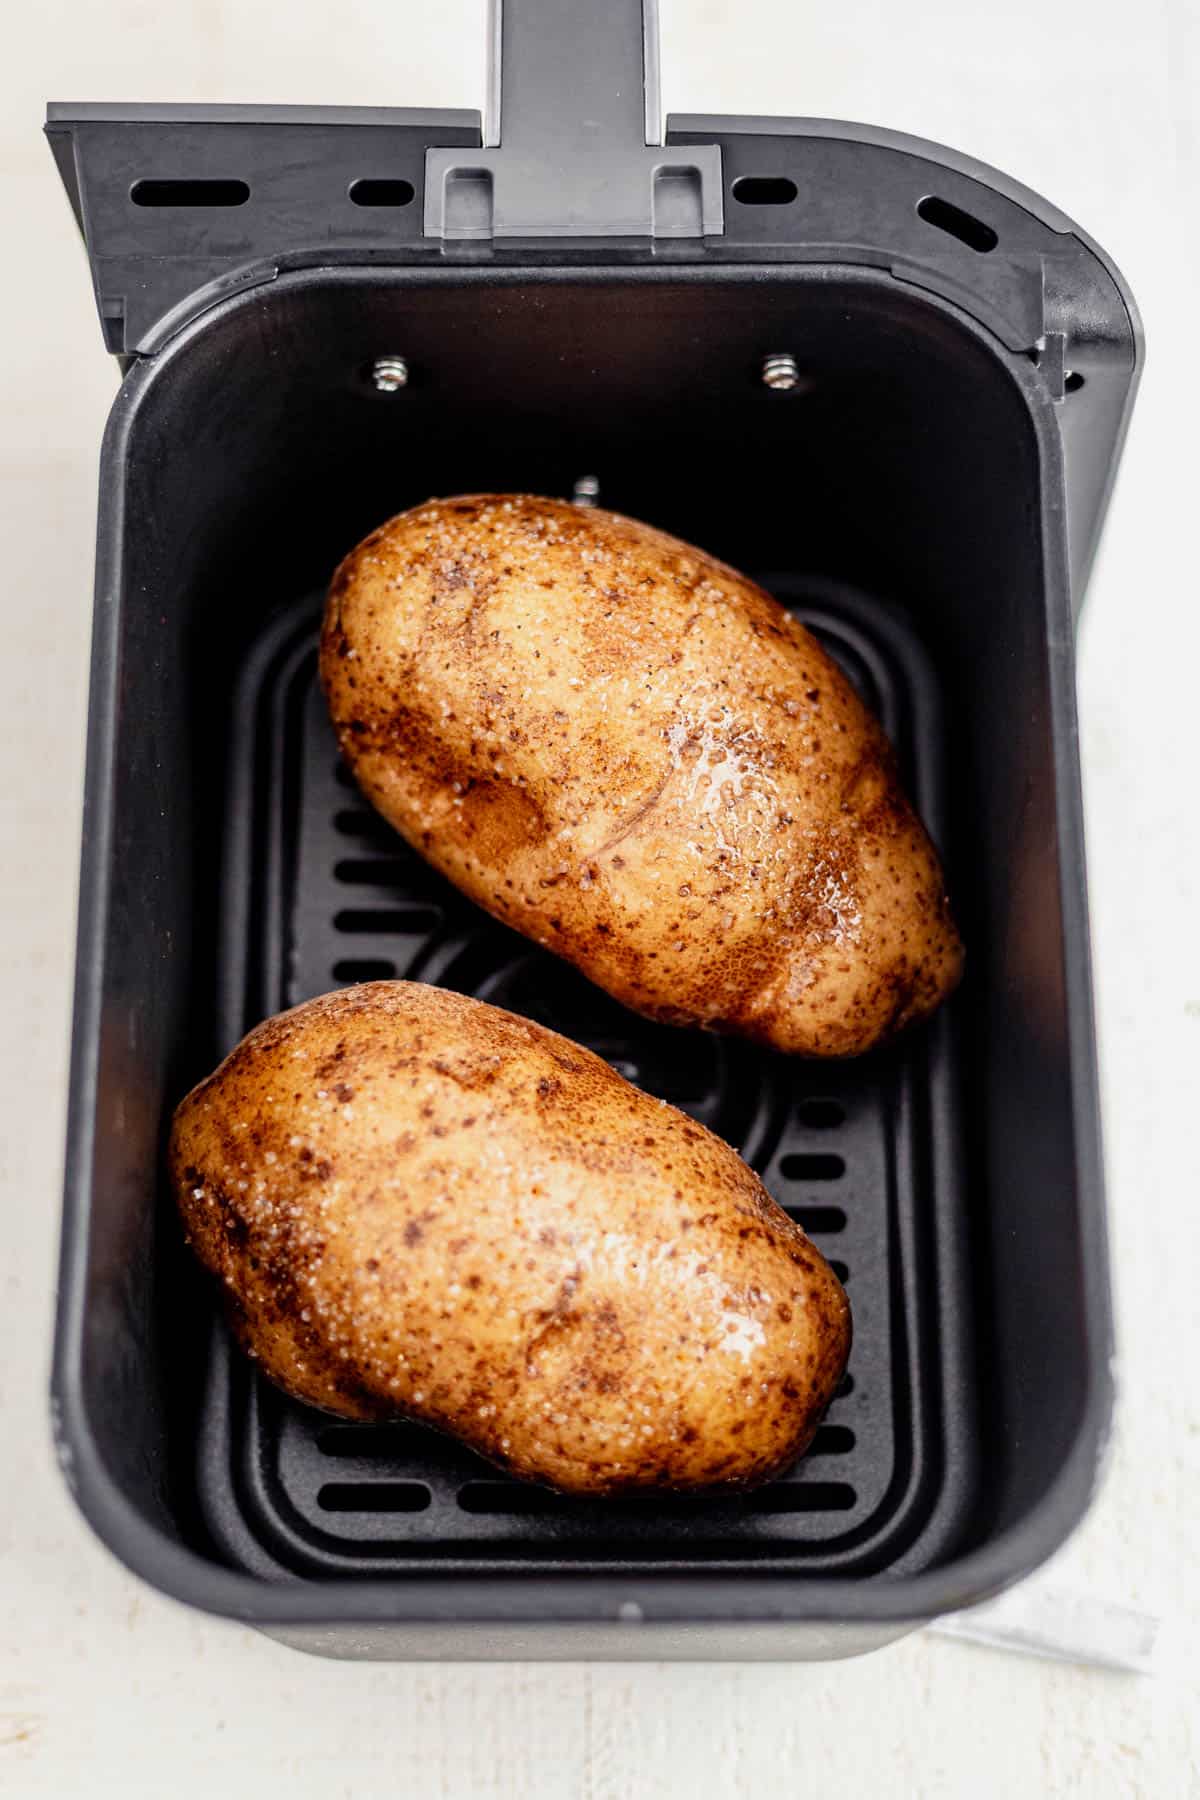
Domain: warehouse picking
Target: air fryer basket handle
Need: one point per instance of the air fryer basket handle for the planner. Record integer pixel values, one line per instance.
(573, 139)
(568, 71)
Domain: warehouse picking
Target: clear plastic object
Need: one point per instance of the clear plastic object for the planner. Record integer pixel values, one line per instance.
(1062, 1624)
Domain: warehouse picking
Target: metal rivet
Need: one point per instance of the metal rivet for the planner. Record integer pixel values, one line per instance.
(586, 491)
(780, 372)
(389, 374)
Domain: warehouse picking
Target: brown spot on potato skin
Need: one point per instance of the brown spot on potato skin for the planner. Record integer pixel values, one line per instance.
(526, 1285)
(638, 719)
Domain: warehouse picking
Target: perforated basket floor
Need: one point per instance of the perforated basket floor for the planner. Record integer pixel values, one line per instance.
(321, 892)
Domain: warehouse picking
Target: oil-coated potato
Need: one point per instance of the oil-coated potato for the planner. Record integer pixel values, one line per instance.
(635, 756)
(422, 1206)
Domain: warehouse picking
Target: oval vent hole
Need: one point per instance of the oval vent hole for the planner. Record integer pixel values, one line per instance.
(373, 1497)
(378, 871)
(832, 1440)
(369, 968)
(501, 1498)
(799, 1165)
(944, 216)
(413, 921)
(764, 190)
(381, 193)
(505, 1497)
(802, 1497)
(189, 193)
(380, 1443)
(818, 1221)
(351, 822)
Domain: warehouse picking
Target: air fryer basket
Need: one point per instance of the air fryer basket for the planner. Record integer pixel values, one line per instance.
(925, 492)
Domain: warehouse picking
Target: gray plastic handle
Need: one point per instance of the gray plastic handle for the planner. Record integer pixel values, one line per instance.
(572, 142)
(561, 73)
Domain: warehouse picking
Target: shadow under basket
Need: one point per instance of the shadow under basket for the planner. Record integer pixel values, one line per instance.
(923, 489)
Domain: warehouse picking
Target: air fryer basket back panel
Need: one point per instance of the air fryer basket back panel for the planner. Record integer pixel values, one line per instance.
(926, 495)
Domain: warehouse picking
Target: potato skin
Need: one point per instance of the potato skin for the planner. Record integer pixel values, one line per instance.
(423, 1206)
(635, 756)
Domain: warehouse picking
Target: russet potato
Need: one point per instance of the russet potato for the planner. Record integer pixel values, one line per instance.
(635, 756)
(421, 1206)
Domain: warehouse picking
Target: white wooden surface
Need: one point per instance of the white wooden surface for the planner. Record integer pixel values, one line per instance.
(106, 1688)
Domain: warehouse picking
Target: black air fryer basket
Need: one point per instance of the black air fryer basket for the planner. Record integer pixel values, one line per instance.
(885, 380)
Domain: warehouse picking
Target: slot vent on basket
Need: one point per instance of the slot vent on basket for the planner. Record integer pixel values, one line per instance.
(196, 191)
(839, 1268)
(832, 1440)
(512, 1499)
(371, 871)
(367, 192)
(353, 822)
(764, 190)
(366, 968)
(799, 1165)
(373, 1497)
(818, 1221)
(391, 921)
(943, 215)
(507, 1497)
(373, 1443)
(802, 1497)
